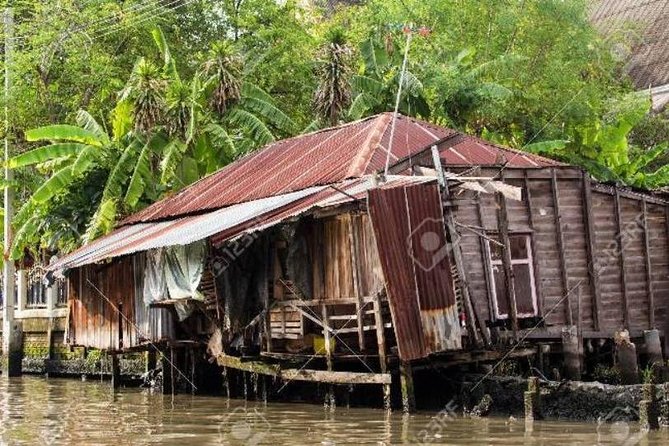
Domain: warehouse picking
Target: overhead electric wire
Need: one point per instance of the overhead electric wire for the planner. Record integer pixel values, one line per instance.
(145, 11)
(143, 17)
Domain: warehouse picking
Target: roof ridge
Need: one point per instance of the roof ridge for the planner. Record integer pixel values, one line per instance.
(359, 164)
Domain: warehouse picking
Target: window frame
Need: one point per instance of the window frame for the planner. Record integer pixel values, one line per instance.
(529, 261)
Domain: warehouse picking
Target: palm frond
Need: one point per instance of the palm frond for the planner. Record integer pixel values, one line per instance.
(119, 173)
(103, 220)
(220, 137)
(64, 132)
(88, 122)
(141, 172)
(25, 234)
(172, 155)
(54, 185)
(85, 160)
(47, 153)
(260, 133)
(270, 113)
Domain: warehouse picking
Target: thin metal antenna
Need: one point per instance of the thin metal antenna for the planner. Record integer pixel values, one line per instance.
(397, 102)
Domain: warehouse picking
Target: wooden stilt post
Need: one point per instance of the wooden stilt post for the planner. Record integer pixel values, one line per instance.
(167, 372)
(226, 381)
(572, 353)
(626, 358)
(150, 360)
(653, 347)
(381, 342)
(330, 398)
(353, 240)
(406, 383)
(116, 371)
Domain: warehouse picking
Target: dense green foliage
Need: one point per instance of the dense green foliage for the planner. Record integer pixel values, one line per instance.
(129, 101)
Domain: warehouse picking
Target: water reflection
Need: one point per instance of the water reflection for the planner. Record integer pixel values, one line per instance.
(56, 411)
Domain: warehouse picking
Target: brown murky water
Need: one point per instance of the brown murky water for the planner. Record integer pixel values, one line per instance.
(34, 410)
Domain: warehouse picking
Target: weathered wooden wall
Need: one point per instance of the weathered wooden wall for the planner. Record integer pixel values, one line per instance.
(101, 304)
(337, 244)
(609, 246)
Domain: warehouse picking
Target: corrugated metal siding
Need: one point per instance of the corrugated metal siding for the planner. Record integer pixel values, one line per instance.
(418, 280)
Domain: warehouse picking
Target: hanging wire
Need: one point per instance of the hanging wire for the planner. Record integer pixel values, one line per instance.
(397, 101)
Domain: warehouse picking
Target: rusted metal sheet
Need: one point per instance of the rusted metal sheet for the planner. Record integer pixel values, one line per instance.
(317, 158)
(409, 228)
(180, 231)
(222, 224)
(472, 151)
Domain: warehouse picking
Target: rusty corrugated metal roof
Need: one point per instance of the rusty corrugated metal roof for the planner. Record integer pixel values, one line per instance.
(324, 157)
(179, 231)
(473, 151)
(409, 228)
(318, 158)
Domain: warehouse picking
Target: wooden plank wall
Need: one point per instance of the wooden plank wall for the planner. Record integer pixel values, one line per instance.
(94, 319)
(621, 296)
(331, 242)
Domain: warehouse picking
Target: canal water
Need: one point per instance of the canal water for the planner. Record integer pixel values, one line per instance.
(35, 410)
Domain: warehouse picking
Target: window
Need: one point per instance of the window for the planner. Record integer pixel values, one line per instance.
(523, 272)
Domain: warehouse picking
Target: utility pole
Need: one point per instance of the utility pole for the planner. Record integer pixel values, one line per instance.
(11, 329)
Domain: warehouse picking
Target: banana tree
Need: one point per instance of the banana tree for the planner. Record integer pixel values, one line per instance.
(376, 85)
(602, 147)
(74, 152)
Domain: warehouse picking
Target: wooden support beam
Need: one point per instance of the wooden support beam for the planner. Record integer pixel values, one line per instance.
(331, 377)
(533, 247)
(381, 343)
(326, 335)
(649, 268)
(561, 247)
(503, 228)
(487, 263)
(473, 318)
(353, 240)
(267, 321)
(590, 239)
(116, 371)
(623, 266)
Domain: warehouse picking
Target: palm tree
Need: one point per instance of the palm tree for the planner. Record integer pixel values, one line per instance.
(166, 133)
(333, 94)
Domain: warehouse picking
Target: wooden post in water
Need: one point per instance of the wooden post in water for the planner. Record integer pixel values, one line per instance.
(330, 400)
(406, 383)
(653, 347)
(381, 342)
(571, 350)
(166, 366)
(115, 371)
(626, 358)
